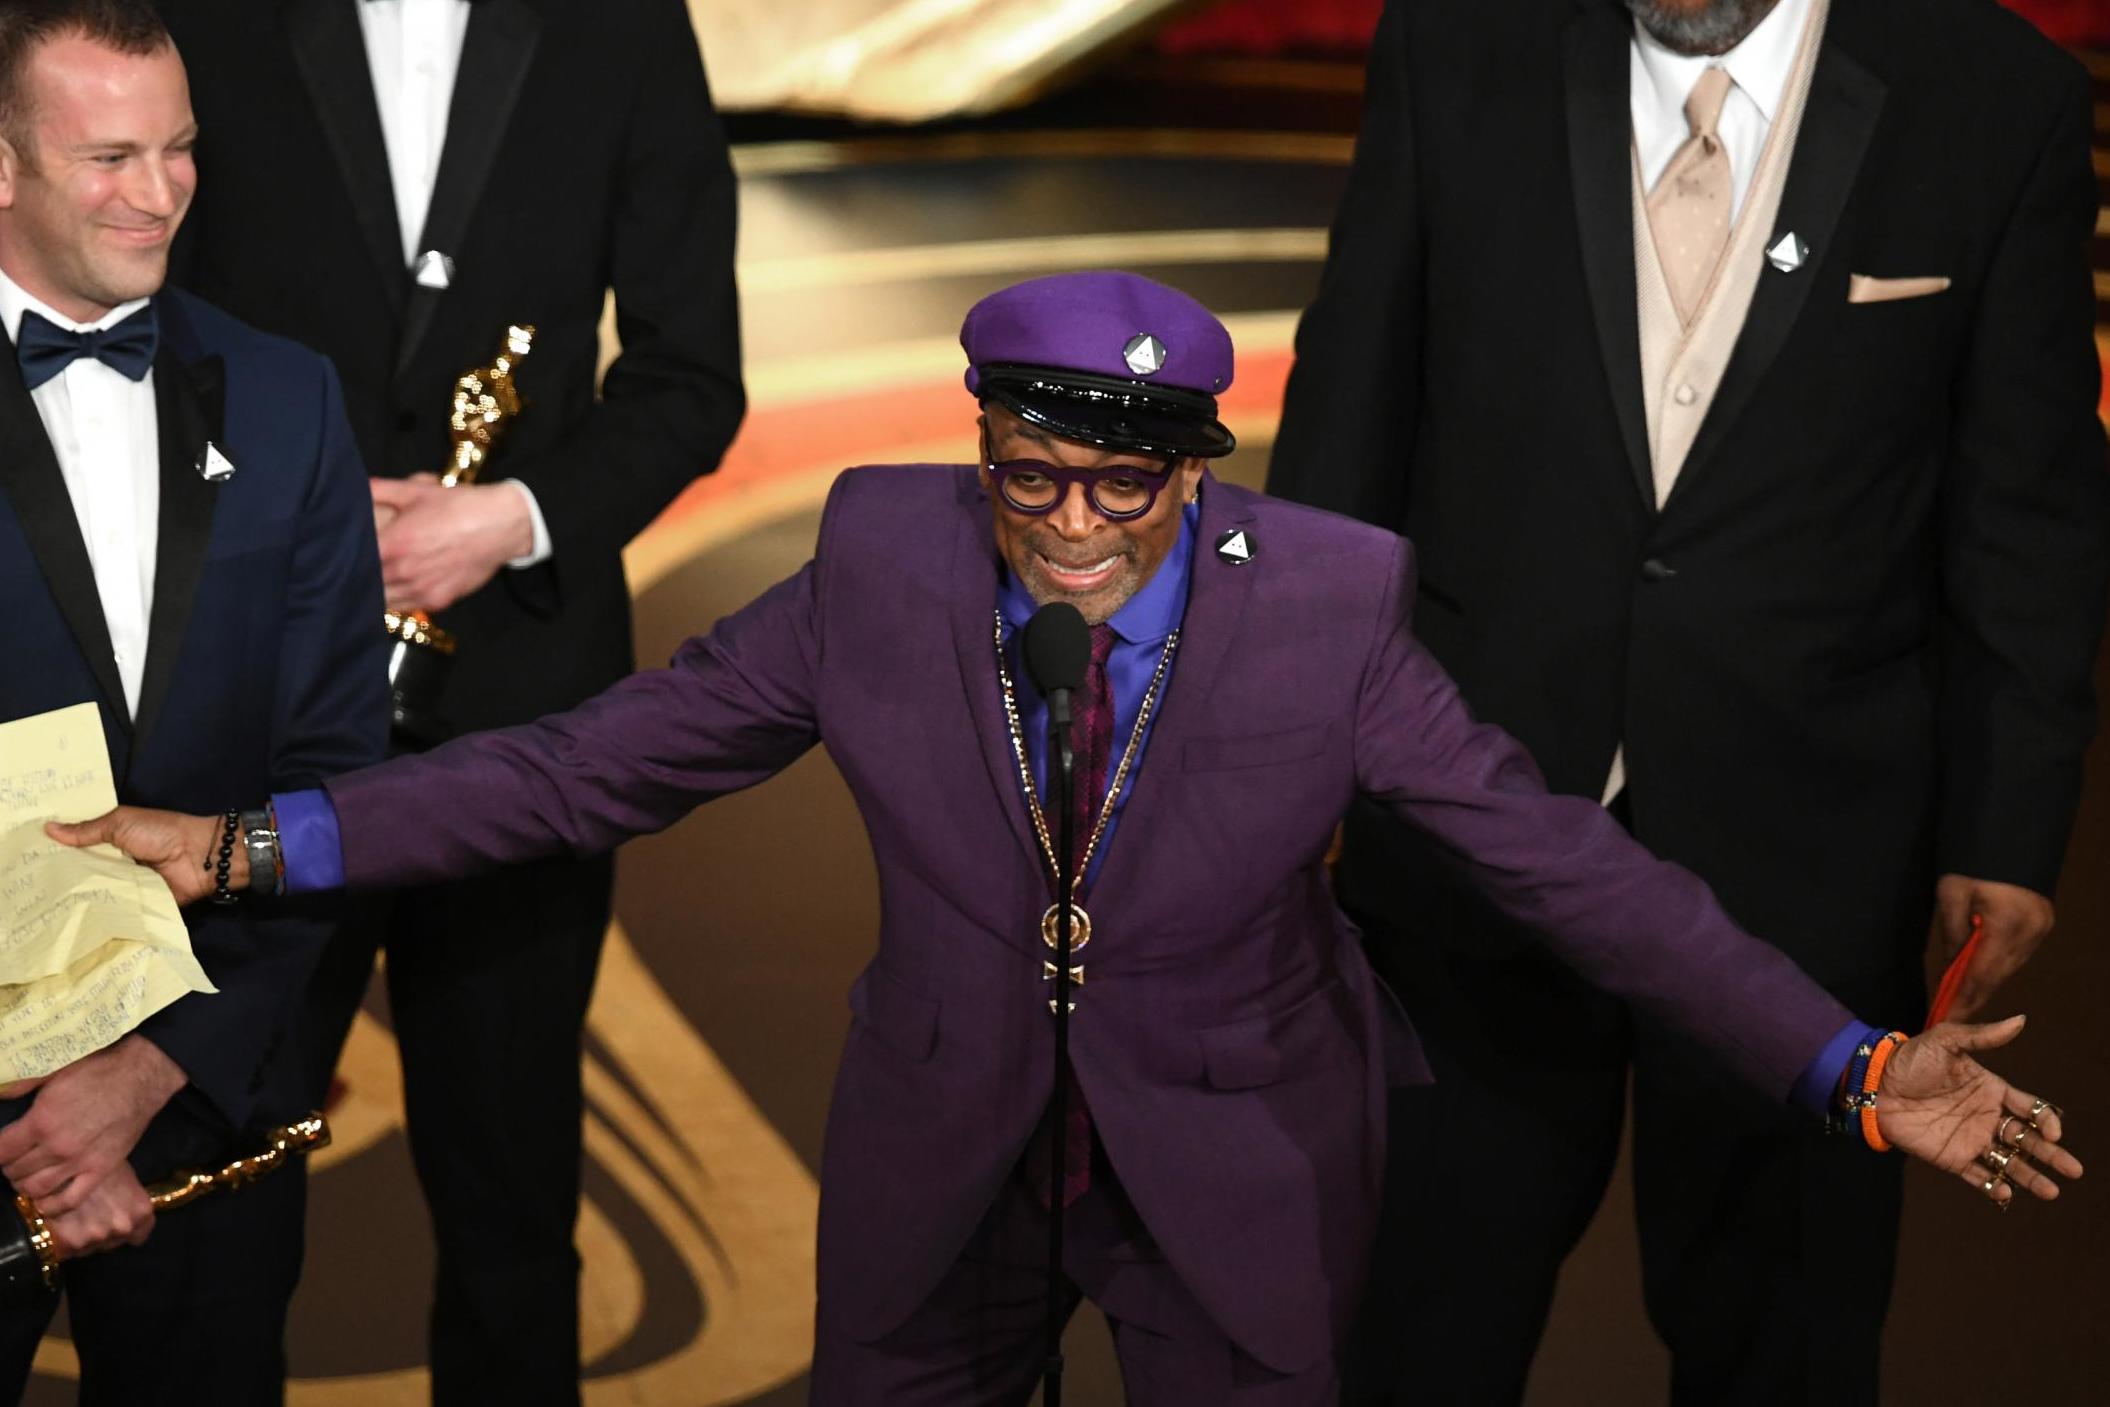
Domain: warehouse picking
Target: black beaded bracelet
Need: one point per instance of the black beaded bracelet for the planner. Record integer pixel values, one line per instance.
(221, 894)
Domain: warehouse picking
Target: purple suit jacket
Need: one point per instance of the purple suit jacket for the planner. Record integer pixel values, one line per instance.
(1230, 1038)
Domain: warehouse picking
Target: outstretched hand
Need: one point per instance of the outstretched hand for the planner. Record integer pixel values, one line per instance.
(1939, 1104)
(170, 843)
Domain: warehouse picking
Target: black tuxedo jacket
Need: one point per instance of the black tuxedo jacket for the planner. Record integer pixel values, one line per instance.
(582, 154)
(261, 672)
(1853, 649)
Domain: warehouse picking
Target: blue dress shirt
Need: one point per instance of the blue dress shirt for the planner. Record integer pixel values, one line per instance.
(1140, 628)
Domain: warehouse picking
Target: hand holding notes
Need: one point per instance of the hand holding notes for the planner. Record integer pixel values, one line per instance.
(90, 944)
(169, 843)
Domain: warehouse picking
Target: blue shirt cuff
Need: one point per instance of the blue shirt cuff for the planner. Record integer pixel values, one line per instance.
(308, 841)
(1819, 1082)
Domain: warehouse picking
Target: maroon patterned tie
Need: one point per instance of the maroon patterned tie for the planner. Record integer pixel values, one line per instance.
(1092, 731)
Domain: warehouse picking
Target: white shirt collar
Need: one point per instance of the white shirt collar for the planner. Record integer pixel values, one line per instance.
(16, 300)
(1760, 66)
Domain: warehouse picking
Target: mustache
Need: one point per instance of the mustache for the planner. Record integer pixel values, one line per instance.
(1075, 554)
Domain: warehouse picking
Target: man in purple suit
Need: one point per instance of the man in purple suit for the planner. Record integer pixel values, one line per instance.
(1252, 669)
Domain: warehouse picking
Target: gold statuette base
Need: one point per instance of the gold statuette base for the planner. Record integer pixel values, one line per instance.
(41, 1240)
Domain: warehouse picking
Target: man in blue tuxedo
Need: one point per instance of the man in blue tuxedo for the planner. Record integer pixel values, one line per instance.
(224, 622)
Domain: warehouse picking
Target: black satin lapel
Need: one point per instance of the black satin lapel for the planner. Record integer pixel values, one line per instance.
(1845, 103)
(189, 402)
(496, 52)
(330, 53)
(29, 475)
(974, 641)
(1601, 168)
(1216, 601)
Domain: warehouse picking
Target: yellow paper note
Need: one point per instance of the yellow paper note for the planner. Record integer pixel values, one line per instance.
(90, 943)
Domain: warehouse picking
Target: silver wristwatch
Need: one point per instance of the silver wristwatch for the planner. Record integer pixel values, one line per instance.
(267, 874)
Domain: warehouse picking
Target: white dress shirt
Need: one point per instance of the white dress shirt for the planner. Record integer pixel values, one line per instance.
(1758, 68)
(413, 51)
(103, 431)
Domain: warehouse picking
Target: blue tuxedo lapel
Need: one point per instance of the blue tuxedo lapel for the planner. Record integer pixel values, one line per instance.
(189, 409)
(34, 486)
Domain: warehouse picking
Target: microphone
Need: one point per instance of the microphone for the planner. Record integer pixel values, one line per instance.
(1058, 646)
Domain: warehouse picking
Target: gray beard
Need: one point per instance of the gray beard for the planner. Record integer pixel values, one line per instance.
(1717, 29)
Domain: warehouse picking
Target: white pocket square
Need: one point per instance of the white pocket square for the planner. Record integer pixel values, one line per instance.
(1862, 289)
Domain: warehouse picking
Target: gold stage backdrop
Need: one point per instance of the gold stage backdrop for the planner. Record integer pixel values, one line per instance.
(902, 60)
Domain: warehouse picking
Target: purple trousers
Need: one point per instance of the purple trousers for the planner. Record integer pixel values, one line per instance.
(977, 1341)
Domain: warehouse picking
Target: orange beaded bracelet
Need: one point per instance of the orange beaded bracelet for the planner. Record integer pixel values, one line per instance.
(1870, 1083)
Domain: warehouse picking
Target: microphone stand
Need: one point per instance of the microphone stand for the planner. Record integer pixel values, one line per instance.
(1058, 1110)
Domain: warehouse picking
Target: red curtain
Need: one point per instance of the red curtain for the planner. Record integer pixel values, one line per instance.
(1273, 27)
(2085, 23)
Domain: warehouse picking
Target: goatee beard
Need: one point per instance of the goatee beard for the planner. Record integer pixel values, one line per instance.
(1716, 28)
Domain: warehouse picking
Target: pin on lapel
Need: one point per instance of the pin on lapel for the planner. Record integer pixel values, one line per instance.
(1235, 547)
(433, 270)
(214, 466)
(1788, 252)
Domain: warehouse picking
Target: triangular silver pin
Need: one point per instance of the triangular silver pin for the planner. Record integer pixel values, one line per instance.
(433, 270)
(214, 465)
(1235, 547)
(1788, 252)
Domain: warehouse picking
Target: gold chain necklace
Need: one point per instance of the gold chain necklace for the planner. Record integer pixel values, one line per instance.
(1080, 921)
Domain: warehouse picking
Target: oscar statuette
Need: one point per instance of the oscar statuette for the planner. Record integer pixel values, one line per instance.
(29, 1256)
(485, 403)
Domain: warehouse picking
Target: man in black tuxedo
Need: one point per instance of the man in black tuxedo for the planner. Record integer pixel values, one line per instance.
(1730, 365)
(393, 182)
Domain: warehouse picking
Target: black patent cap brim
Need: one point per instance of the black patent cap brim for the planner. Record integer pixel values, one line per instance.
(1111, 414)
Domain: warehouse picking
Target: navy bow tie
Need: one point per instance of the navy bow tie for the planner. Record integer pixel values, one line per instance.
(45, 349)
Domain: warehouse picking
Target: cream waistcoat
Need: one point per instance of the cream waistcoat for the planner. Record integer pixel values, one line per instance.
(1680, 366)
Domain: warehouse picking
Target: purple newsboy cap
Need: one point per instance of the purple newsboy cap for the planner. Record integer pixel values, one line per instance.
(1108, 358)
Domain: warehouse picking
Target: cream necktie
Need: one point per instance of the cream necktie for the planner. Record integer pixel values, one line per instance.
(1688, 211)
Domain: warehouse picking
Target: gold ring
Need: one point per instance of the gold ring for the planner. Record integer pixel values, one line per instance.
(1995, 1161)
(2036, 1110)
